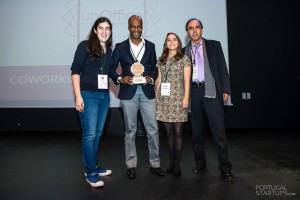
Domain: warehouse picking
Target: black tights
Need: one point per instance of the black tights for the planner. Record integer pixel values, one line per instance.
(174, 137)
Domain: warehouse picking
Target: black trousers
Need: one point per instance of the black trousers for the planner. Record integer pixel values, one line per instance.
(214, 110)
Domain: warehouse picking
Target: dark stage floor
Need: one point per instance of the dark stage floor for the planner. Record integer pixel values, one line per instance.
(47, 166)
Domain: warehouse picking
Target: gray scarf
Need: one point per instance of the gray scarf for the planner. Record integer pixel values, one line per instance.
(210, 86)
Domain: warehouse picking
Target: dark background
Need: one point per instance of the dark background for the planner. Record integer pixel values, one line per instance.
(263, 40)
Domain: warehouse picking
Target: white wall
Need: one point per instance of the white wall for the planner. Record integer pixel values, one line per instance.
(38, 40)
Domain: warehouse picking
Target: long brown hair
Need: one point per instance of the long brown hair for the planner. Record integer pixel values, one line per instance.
(94, 47)
(179, 54)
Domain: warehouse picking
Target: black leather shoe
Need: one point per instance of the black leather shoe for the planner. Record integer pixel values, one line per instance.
(177, 172)
(158, 171)
(227, 175)
(199, 168)
(131, 173)
(169, 170)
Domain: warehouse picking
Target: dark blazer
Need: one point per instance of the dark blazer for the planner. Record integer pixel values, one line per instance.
(122, 55)
(217, 65)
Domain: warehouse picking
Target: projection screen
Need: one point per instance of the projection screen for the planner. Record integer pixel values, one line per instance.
(39, 38)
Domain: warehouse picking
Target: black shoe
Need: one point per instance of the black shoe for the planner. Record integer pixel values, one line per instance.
(199, 168)
(177, 172)
(131, 173)
(169, 170)
(227, 175)
(158, 171)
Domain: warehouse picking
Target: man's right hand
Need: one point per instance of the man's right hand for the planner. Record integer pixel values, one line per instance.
(126, 80)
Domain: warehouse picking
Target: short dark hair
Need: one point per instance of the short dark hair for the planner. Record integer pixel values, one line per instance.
(134, 16)
(192, 19)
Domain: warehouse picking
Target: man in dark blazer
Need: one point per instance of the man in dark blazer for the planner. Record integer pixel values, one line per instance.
(210, 88)
(137, 58)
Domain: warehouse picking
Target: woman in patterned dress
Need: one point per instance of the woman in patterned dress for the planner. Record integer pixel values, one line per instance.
(172, 96)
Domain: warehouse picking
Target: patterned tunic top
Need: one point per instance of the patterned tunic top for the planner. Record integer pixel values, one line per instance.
(169, 108)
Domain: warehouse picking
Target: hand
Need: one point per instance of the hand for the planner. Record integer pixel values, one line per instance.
(126, 80)
(225, 97)
(148, 79)
(185, 103)
(156, 87)
(79, 104)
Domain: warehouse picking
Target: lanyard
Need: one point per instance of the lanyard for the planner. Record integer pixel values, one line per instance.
(167, 71)
(194, 53)
(136, 57)
(103, 60)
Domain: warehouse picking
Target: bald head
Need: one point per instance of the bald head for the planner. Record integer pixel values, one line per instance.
(135, 17)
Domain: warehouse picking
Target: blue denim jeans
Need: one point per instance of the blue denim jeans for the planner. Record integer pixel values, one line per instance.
(92, 120)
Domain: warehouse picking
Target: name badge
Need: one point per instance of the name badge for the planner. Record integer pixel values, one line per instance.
(165, 89)
(102, 81)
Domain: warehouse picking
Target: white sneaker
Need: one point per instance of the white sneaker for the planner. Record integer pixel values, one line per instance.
(103, 172)
(94, 180)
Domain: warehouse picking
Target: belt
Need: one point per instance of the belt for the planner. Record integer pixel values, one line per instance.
(198, 83)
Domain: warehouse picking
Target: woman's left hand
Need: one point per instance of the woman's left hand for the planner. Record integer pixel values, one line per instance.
(185, 103)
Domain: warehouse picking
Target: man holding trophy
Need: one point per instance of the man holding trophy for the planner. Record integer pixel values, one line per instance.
(137, 59)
